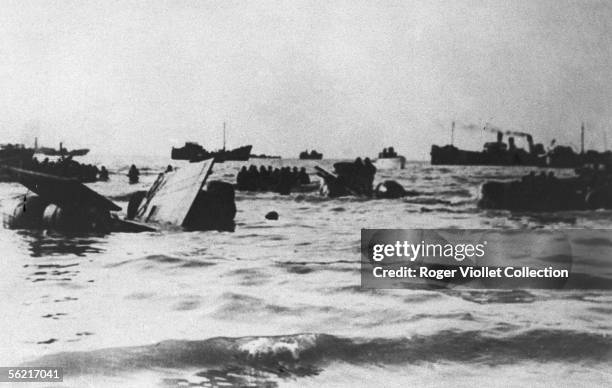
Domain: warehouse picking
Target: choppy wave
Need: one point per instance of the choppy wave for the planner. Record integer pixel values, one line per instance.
(309, 353)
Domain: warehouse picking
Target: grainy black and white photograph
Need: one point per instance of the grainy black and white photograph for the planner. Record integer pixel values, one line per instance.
(270, 193)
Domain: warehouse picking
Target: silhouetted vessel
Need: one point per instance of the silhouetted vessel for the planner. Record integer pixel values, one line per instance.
(312, 155)
(61, 151)
(194, 152)
(264, 156)
(499, 153)
(388, 159)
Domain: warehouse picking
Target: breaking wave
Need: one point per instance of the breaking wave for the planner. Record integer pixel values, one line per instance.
(310, 353)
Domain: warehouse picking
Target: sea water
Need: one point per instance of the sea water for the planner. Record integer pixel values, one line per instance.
(279, 303)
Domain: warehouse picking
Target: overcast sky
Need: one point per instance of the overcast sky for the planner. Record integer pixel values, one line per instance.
(346, 78)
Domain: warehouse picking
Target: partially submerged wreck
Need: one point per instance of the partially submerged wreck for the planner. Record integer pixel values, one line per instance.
(356, 179)
(177, 199)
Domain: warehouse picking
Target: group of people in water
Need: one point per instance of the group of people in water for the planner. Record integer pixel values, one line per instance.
(68, 168)
(591, 188)
(357, 176)
(280, 180)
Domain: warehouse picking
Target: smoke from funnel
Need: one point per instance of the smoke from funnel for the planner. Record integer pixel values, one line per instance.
(471, 127)
(492, 128)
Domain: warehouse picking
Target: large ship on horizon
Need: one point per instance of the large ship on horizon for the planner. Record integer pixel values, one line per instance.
(194, 152)
(498, 153)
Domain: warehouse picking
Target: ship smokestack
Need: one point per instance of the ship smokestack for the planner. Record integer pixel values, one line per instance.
(500, 137)
(582, 138)
(511, 143)
(530, 142)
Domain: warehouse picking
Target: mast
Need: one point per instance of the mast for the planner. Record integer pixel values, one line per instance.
(582, 138)
(224, 136)
(453, 133)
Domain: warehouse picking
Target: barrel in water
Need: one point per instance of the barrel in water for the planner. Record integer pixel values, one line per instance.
(55, 217)
(28, 213)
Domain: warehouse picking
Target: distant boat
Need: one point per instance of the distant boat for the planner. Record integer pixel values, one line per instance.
(194, 152)
(264, 156)
(61, 151)
(388, 159)
(312, 155)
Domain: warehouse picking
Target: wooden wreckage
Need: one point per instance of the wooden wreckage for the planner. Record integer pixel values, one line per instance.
(177, 199)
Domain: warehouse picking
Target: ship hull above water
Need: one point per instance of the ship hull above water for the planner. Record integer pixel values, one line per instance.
(396, 163)
(239, 154)
(449, 155)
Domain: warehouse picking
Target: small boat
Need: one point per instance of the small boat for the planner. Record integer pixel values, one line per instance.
(388, 159)
(312, 155)
(61, 151)
(264, 156)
